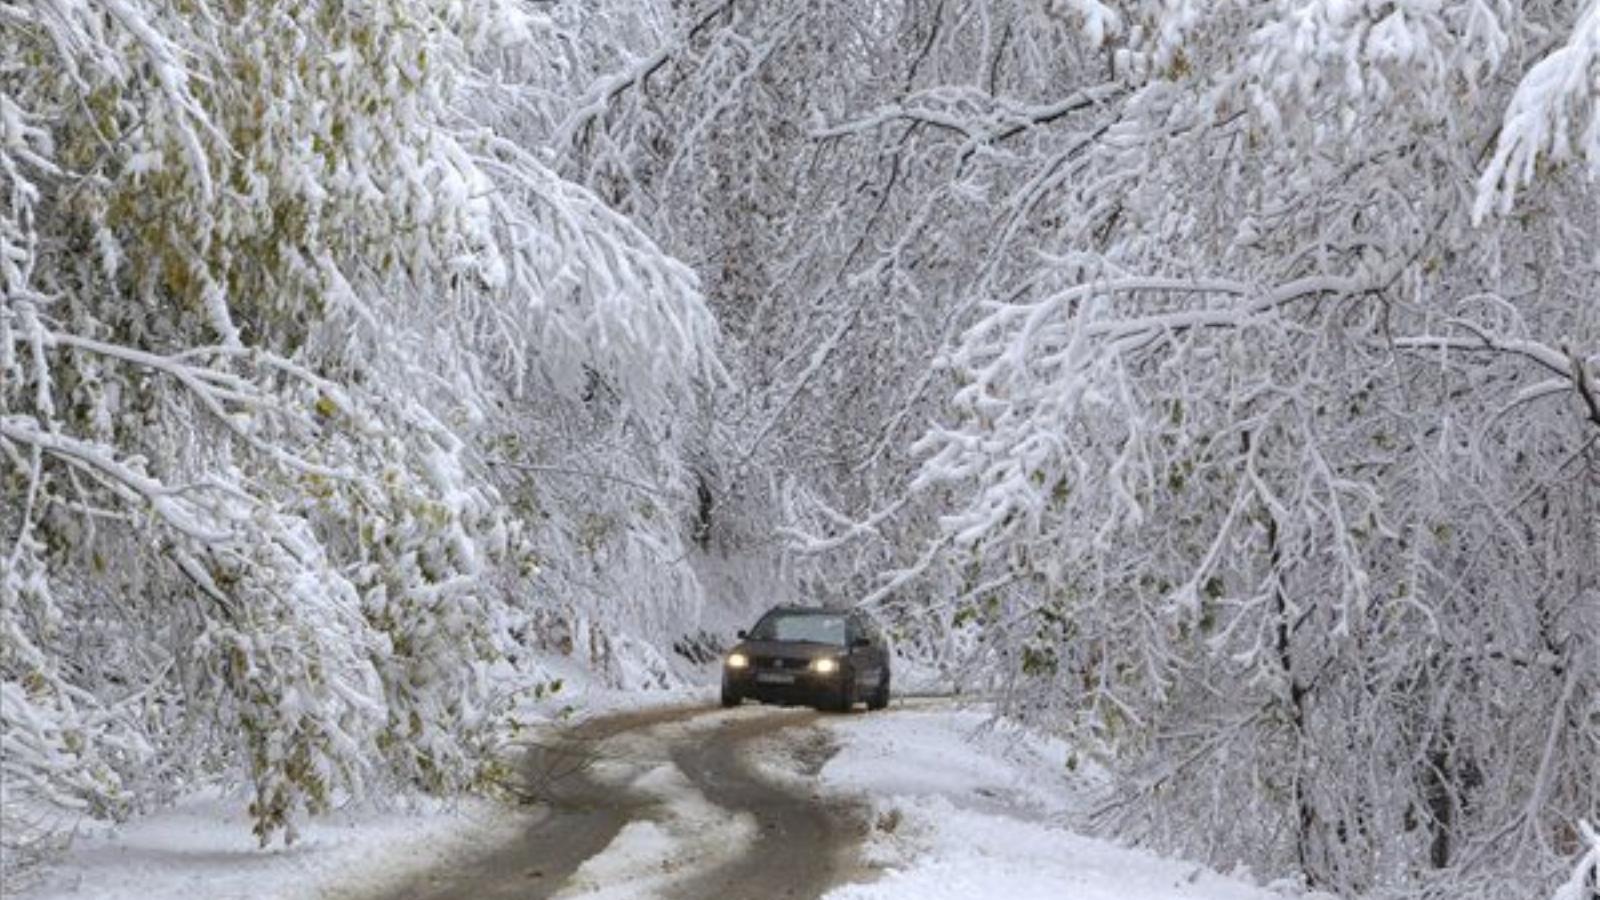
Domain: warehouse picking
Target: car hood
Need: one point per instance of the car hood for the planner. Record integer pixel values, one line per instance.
(788, 650)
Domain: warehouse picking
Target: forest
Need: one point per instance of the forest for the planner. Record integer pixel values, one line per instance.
(1215, 384)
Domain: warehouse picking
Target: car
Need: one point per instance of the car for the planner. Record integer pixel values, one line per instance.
(813, 656)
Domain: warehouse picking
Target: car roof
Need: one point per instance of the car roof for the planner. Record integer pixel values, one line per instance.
(811, 610)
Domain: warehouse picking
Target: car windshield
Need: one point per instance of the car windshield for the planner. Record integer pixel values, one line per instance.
(817, 629)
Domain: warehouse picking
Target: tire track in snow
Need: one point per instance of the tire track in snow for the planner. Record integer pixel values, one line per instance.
(581, 817)
(804, 844)
(800, 844)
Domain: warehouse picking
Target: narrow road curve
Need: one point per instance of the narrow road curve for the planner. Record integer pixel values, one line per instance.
(803, 846)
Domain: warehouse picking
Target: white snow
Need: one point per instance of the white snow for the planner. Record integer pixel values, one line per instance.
(940, 849)
(964, 755)
(966, 806)
(202, 847)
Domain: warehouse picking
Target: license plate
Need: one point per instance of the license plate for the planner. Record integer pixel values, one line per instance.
(774, 678)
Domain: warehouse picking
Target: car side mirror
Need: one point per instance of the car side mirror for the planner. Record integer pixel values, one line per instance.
(861, 642)
(742, 634)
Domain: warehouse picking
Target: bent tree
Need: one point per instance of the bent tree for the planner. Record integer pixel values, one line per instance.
(269, 278)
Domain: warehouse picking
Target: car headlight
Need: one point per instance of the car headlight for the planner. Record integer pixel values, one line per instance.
(738, 660)
(825, 666)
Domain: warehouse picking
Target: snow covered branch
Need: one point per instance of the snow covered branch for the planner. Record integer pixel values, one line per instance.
(1554, 117)
(269, 279)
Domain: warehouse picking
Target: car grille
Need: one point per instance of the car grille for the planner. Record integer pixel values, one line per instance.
(780, 664)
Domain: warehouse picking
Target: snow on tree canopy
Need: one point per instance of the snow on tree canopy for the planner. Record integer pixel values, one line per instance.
(1215, 383)
(1159, 365)
(269, 274)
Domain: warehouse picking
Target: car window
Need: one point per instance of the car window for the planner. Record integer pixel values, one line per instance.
(859, 630)
(862, 627)
(811, 627)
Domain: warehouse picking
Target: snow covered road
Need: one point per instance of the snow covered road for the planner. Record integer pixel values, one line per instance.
(927, 800)
(924, 801)
(664, 803)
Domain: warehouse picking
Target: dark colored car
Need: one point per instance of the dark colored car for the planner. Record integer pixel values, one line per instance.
(827, 658)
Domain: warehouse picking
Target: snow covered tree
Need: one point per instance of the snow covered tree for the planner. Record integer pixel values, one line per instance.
(1219, 381)
(1268, 464)
(1273, 450)
(269, 276)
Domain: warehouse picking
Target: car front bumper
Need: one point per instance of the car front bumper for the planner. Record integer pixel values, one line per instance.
(806, 687)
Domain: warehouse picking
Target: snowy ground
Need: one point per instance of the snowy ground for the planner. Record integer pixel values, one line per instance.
(961, 808)
(203, 847)
(964, 808)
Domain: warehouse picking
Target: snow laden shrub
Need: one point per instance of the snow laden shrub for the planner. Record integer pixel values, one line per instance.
(265, 277)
